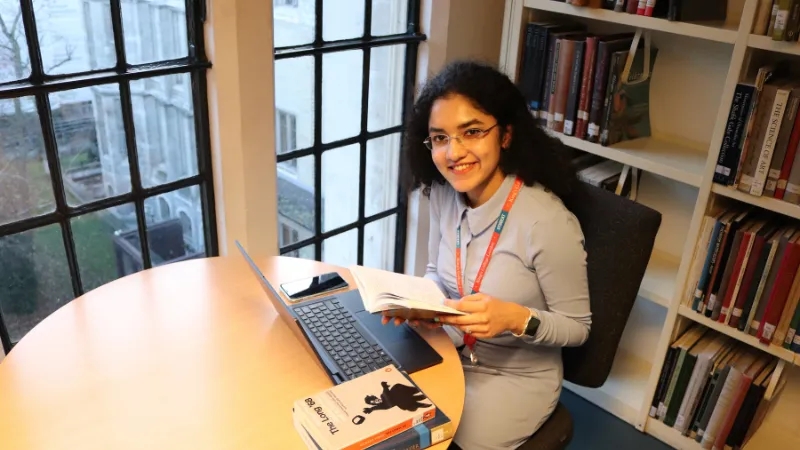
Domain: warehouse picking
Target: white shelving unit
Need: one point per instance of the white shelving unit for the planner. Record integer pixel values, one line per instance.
(695, 75)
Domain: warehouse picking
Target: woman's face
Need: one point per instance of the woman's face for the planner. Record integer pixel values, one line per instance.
(470, 163)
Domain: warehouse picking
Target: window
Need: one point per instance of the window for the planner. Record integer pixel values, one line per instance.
(346, 70)
(286, 135)
(77, 106)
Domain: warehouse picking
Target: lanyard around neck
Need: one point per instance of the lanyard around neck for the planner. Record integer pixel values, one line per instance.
(501, 222)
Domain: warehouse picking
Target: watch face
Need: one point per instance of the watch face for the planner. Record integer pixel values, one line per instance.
(533, 325)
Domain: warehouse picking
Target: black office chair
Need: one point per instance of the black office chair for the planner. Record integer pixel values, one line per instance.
(619, 237)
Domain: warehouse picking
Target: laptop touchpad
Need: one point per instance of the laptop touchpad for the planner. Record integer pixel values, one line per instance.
(385, 333)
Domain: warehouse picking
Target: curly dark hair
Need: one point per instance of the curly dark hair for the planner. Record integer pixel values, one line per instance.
(533, 155)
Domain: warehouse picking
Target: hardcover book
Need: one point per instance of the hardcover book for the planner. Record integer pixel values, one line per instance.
(364, 411)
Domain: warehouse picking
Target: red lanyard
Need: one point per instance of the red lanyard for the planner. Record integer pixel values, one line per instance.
(501, 222)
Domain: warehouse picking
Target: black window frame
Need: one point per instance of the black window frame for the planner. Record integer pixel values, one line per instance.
(40, 85)
(411, 38)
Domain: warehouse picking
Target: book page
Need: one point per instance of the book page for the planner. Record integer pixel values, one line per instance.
(382, 290)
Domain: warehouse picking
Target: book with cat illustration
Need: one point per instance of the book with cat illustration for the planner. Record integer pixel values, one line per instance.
(365, 411)
(396, 294)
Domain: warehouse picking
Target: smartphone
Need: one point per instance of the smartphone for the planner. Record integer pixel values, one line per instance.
(313, 286)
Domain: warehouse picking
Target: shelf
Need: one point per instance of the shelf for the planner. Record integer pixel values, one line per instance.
(669, 435)
(766, 43)
(726, 34)
(768, 203)
(658, 284)
(624, 391)
(659, 156)
(774, 350)
(779, 429)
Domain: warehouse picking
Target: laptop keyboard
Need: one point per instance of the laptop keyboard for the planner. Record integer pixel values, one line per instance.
(332, 325)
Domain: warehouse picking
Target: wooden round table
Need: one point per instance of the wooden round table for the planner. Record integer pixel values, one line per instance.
(191, 355)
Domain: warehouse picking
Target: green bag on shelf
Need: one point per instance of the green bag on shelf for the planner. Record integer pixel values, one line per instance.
(630, 95)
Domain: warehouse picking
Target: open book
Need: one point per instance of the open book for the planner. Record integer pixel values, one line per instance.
(399, 294)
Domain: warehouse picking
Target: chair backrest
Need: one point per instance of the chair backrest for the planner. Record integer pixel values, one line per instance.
(619, 237)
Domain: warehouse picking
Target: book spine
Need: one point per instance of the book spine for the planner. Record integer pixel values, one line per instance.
(575, 85)
(781, 19)
(640, 9)
(708, 266)
(761, 21)
(663, 379)
(770, 138)
(726, 398)
(713, 400)
(674, 13)
(740, 391)
(553, 83)
(598, 96)
(753, 263)
(540, 63)
(789, 160)
(782, 144)
(752, 306)
(773, 16)
(756, 140)
(619, 5)
(788, 312)
(791, 335)
(586, 87)
(738, 273)
(780, 292)
(615, 72)
(560, 95)
(547, 79)
(648, 11)
(793, 24)
(728, 157)
(720, 270)
(632, 6)
(528, 72)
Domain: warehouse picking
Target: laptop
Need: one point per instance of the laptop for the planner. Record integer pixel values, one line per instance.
(348, 340)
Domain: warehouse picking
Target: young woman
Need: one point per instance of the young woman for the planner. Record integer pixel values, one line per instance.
(499, 188)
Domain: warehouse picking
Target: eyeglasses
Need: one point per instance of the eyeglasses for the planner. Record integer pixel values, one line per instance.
(441, 141)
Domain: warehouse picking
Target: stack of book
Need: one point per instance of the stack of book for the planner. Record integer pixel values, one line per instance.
(779, 19)
(714, 389)
(610, 175)
(744, 274)
(382, 410)
(762, 136)
(571, 80)
(675, 10)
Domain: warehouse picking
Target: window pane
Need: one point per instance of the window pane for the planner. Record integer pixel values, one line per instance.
(342, 19)
(35, 278)
(379, 243)
(25, 186)
(340, 187)
(293, 21)
(99, 33)
(106, 243)
(92, 168)
(14, 61)
(162, 114)
(383, 161)
(64, 36)
(387, 66)
(342, 249)
(306, 252)
(294, 94)
(389, 17)
(175, 226)
(296, 194)
(154, 31)
(341, 95)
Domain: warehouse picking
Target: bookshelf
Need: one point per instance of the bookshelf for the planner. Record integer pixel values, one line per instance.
(699, 64)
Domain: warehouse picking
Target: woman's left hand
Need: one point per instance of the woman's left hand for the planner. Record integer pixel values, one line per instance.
(486, 316)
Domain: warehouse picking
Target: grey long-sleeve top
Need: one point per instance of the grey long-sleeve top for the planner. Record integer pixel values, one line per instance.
(539, 262)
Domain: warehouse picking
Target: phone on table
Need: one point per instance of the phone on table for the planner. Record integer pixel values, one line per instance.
(313, 286)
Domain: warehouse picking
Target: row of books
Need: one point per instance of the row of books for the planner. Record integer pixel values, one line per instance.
(714, 389)
(779, 19)
(762, 136)
(612, 176)
(675, 10)
(381, 410)
(744, 274)
(571, 80)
